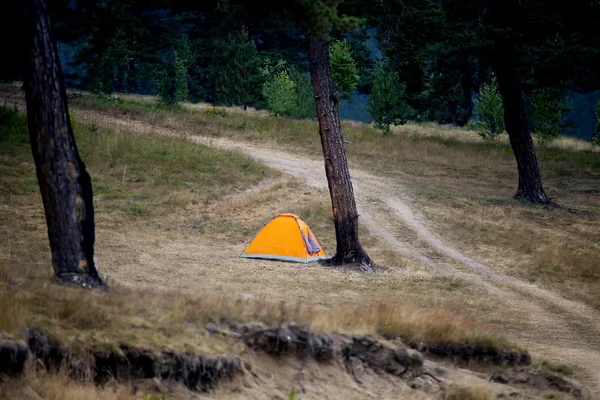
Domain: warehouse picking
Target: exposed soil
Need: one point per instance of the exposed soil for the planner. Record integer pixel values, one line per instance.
(372, 368)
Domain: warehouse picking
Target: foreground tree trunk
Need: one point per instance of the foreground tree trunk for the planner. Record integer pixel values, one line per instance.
(345, 215)
(517, 123)
(65, 185)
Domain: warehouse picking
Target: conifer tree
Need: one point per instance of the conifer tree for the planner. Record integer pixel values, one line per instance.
(234, 75)
(387, 102)
(343, 67)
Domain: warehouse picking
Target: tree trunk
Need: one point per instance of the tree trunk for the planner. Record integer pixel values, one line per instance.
(65, 185)
(345, 215)
(516, 120)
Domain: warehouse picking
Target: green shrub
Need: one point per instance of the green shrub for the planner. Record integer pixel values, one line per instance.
(13, 129)
(280, 92)
(490, 110)
(548, 109)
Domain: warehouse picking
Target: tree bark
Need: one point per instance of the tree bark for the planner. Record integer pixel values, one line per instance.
(345, 215)
(516, 120)
(65, 185)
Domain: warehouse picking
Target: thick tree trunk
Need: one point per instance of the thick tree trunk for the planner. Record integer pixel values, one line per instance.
(345, 215)
(65, 185)
(516, 120)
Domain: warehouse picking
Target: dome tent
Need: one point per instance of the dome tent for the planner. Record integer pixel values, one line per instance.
(287, 238)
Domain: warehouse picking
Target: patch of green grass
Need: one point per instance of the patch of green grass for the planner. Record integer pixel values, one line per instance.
(561, 369)
(13, 131)
(138, 175)
(147, 175)
(136, 210)
(103, 102)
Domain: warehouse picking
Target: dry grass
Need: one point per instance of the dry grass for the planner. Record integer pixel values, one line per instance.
(225, 211)
(140, 318)
(467, 393)
(452, 175)
(40, 385)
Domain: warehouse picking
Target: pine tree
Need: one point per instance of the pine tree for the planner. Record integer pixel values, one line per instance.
(279, 90)
(361, 53)
(343, 67)
(490, 111)
(549, 107)
(386, 104)
(174, 79)
(305, 97)
(234, 76)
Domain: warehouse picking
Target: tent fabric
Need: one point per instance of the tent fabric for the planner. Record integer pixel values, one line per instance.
(288, 238)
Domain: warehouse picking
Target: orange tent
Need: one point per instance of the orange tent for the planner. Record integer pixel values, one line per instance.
(288, 238)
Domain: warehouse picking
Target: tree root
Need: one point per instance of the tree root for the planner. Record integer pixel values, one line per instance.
(82, 280)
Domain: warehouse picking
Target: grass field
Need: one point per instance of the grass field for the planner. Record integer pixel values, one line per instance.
(173, 215)
(462, 184)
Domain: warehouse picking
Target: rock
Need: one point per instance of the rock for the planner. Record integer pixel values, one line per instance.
(13, 356)
(475, 353)
(380, 357)
(126, 363)
(425, 383)
(537, 379)
(291, 339)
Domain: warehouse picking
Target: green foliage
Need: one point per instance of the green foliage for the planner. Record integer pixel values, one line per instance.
(343, 67)
(305, 95)
(490, 111)
(596, 137)
(174, 79)
(367, 69)
(551, 368)
(280, 93)
(320, 17)
(109, 70)
(216, 112)
(387, 105)
(280, 90)
(234, 75)
(435, 63)
(292, 394)
(13, 129)
(548, 109)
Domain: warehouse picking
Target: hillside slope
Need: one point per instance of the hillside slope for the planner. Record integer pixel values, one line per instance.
(167, 223)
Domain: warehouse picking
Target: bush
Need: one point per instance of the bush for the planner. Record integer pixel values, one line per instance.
(13, 129)
(596, 137)
(490, 111)
(548, 109)
(280, 92)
